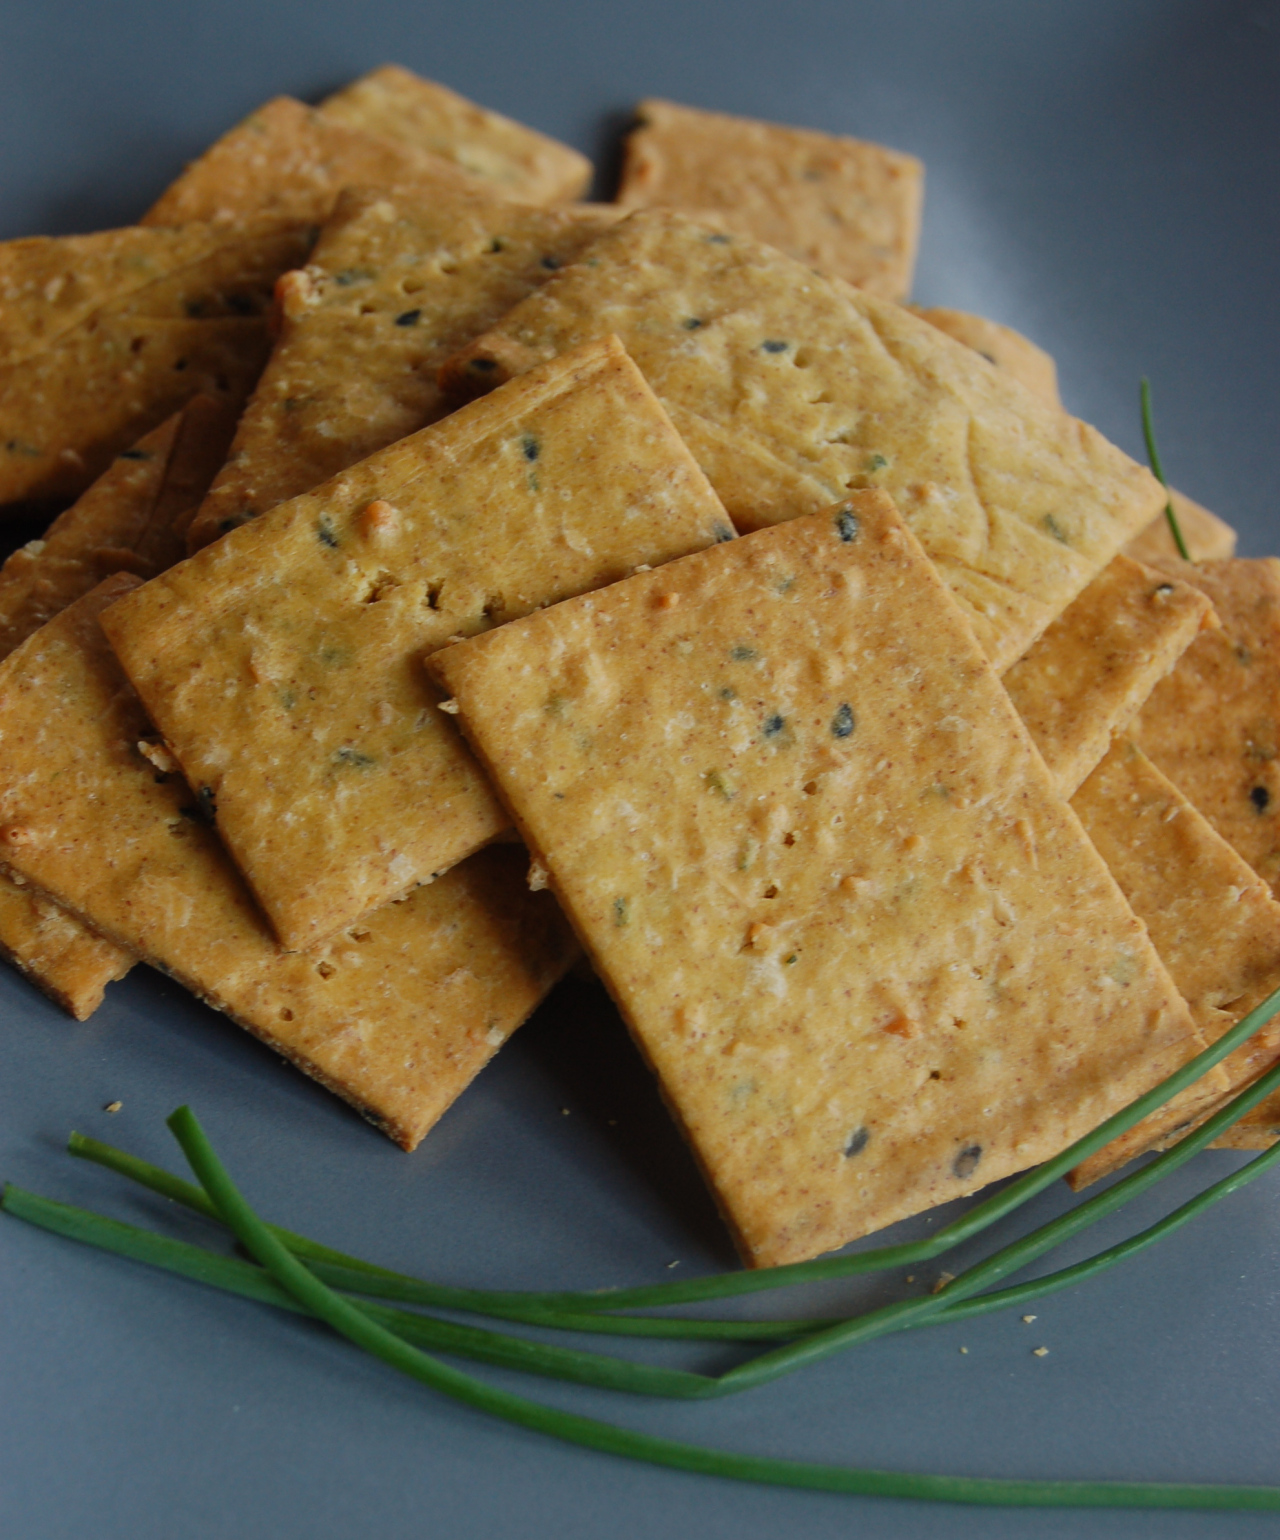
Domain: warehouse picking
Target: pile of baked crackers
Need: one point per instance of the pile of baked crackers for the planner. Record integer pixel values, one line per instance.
(452, 575)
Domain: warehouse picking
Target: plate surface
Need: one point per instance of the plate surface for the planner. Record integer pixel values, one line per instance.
(1105, 178)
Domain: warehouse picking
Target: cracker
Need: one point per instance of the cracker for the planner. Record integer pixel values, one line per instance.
(1213, 726)
(139, 326)
(395, 1015)
(1000, 345)
(393, 287)
(516, 161)
(844, 206)
(289, 161)
(791, 390)
(1090, 673)
(1214, 923)
(282, 663)
(62, 957)
(807, 843)
(1207, 537)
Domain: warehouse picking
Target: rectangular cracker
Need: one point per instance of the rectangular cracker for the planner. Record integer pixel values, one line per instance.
(1088, 676)
(1207, 537)
(794, 819)
(131, 519)
(844, 206)
(130, 326)
(515, 161)
(791, 390)
(289, 161)
(396, 1015)
(282, 663)
(392, 289)
(1213, 726)
(1213, 921)
(1000, 345)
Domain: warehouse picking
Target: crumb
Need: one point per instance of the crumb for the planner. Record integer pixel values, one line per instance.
(564, 1112)
(943, 1280)
(449, 707)
(911, 1277)
(113, 1107)
(676, 1263)
(1041, 1352)
(1027, 1320)
(964, 1350)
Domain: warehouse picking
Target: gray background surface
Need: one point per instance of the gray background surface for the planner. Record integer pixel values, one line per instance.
(1103, 176)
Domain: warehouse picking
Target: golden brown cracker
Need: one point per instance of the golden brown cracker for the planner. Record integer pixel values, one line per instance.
(393, 287)
(867, 949)
(282, 664)
(516, 161)
(185, 315)
(1214, 923)
(396, 1015)
(841, 205)
(1213, 726)
(61, 956)
(827, 388)
(290, 161)
(1000, 345)
(1090, 673)
(1207, 537)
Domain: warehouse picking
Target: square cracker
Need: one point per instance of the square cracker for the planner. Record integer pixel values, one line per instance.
(843, 206)
(393, 287)
(865, 946)
(1090, 673)
(126, 327)
(516, 161)
(791, 390)
(1213, 726)
(1213, 921)
(282, 663)
(396, 1015)
(289, 161)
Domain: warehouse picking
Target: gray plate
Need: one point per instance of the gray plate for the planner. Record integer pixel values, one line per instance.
(1101, 176)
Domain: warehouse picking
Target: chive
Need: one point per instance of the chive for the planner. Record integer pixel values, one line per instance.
(408, 1290)
(1153, 456)
(355, 1323)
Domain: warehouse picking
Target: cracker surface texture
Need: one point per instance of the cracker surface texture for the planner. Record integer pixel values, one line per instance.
(1213, 921)
(1091, 672)
(865, 946)
(392, 289)
(1000, 345)
(396, 1015)
(127, 326)
(283, 663)
(290, 161)
(1213, 726)
(844, 206)
(514, 160)
(791, 391)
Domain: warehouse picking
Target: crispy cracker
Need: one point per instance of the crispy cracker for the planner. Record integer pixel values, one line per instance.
(1214, 923)
(393, 287)
(790, 390)
(180, 313)
(516, 161)
(808, 844)
(1213, 726)
(61, 956)
(282, 663)
(289, 161)
(1092, 670)
(843, 206)
(1207, 537)
(1000, 345)
(396, 1015)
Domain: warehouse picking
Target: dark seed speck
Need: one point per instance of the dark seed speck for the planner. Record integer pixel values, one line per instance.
(847, 525)
(552, 264)
(774, 725)
(1260, 797)
(530, 446)
(773, 345)
(857, 1141)
(325, 534)
(842, 722)
(408, 317)
(692, 323)
(742, 654)
(206, 804)
(966, 1162)
(134, 454)
(483, 364)
(722, 532)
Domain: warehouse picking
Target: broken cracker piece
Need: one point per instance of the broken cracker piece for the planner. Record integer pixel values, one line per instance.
(396, 1016)
(814, 708)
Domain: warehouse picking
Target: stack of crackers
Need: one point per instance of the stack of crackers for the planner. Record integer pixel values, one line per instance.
(456, 575)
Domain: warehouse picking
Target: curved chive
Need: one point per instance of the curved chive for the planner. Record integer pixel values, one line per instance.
(1153, 457)
(409, 1290)
(356, 1324)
